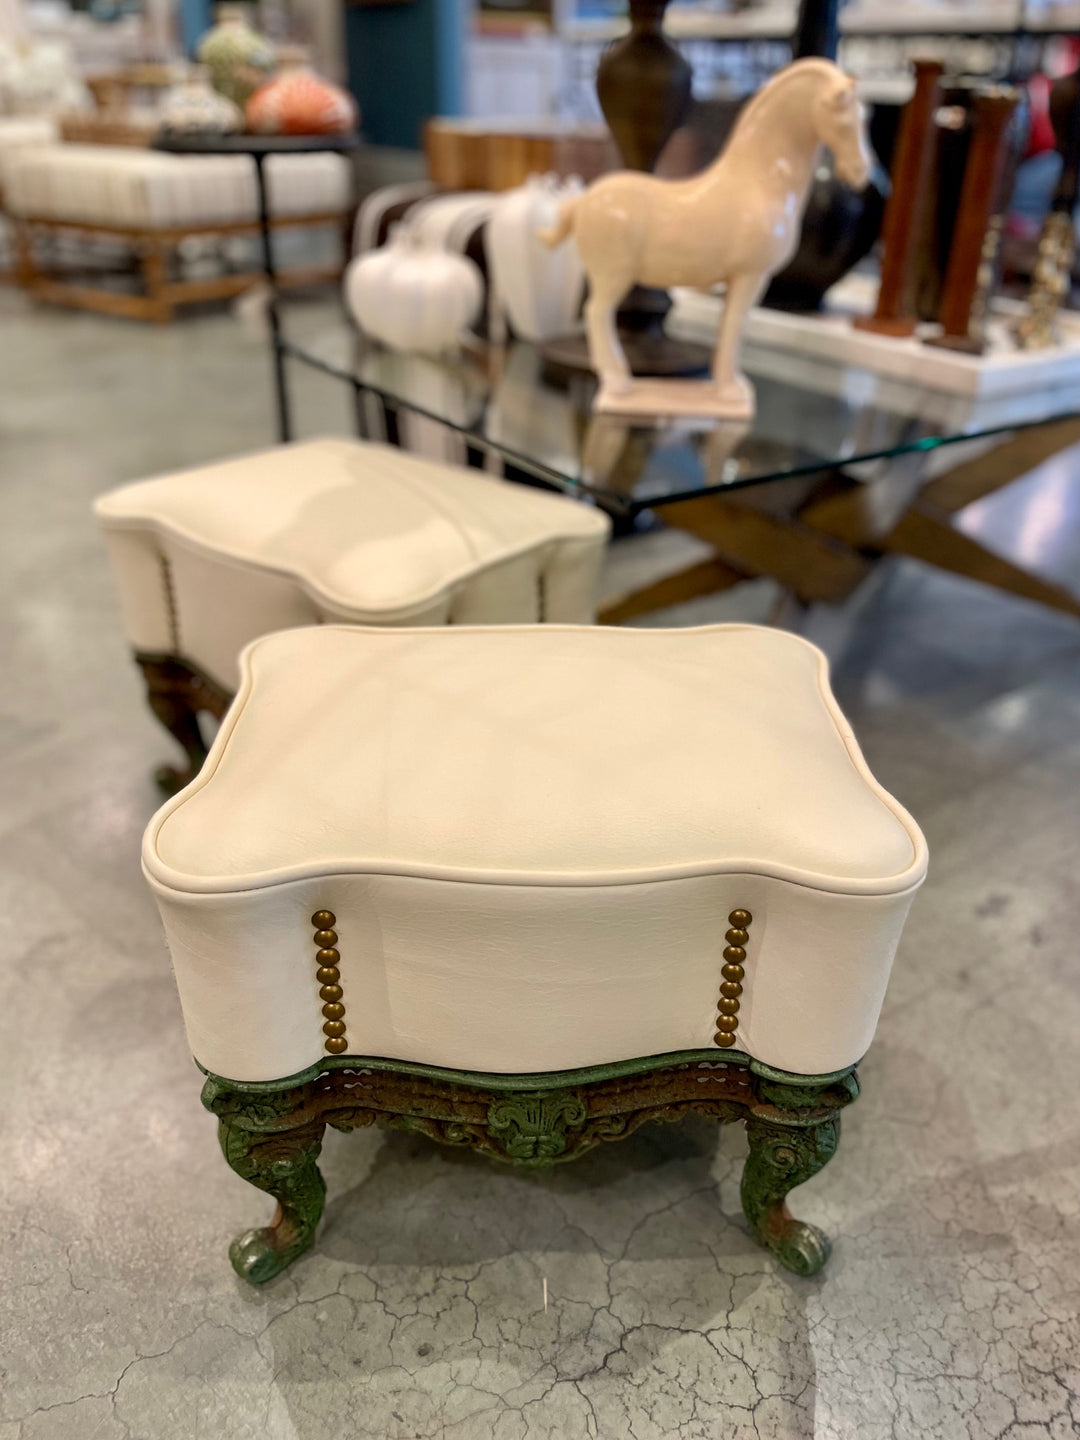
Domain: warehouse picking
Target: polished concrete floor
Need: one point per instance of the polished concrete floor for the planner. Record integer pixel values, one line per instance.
(949, 1310)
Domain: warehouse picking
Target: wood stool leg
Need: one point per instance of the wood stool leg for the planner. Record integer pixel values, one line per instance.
(781, 1157)
(26, 271)
(155, 277)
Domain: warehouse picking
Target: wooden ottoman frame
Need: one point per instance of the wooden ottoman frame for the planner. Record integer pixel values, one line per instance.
(152, 245)
(271, 1132)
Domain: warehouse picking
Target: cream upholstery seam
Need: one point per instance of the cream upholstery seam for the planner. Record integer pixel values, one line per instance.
(163, 876)
(321, 594)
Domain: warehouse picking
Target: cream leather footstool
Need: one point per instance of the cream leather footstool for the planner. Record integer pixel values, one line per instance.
(524, 889)
(331, 530)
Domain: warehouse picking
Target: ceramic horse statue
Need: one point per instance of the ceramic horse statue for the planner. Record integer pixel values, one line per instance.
(736, 223)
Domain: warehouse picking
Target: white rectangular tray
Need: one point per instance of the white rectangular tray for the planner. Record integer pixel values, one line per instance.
(829, 335)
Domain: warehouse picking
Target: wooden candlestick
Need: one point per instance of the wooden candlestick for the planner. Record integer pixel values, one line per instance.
(973, 254)
(895, 313)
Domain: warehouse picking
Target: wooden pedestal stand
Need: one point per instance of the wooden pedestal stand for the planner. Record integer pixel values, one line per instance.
(895, 313)
(973, 255)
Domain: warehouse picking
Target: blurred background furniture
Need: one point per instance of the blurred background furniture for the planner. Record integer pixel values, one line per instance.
(152, 203)
(489, 154)
(556, 880)
(538, 67)
(265, 152)
(332, 530)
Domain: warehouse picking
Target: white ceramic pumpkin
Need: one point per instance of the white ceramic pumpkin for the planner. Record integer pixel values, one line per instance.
(538, 289)
(412, 296)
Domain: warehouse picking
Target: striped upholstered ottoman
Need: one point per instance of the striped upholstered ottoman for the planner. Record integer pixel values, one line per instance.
(151, 203)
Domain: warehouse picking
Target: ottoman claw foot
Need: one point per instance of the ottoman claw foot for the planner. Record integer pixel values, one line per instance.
(263, 1150)
(169, 780)
(799, 1246)
(183, 725)
(176, 694)
(260, 1255)
(780, 1158)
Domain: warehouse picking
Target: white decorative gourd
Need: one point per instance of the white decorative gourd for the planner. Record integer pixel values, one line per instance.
(414, 297)
(537, 288)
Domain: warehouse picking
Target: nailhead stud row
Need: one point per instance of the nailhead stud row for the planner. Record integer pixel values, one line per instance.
(329, 978)
(727, 1021)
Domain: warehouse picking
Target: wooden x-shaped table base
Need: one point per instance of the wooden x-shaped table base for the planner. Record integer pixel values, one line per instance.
(820, 536)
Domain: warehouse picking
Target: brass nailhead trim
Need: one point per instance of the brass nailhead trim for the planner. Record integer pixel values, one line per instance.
(328, 976)
(171, 609)
(727, 1021)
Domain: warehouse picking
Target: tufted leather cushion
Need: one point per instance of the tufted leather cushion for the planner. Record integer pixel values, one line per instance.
(531, 838)
(208, 559)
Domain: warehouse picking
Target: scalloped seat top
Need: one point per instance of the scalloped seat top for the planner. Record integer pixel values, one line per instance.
(367, 528)
(538, 756)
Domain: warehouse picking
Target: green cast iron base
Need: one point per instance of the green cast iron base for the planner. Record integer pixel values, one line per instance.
(271, 1132)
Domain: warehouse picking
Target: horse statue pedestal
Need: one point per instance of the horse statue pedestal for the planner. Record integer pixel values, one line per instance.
(736, 223)
(697, 399)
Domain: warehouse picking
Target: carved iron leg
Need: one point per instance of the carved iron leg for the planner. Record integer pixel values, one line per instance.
(284, 1165)
(182, 723)
(271, 1133)
(272, 1140)
(781, 1157)
(176, 693)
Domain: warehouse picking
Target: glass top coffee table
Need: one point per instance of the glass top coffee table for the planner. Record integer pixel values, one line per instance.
(840, 465)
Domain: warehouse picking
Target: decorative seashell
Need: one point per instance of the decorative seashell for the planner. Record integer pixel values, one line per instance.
(299, 102)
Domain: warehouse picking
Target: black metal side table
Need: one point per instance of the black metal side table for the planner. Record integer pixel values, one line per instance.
(259, 147)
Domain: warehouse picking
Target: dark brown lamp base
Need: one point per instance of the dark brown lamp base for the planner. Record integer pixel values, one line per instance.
(271, 1133)
(644, 87)
(650, 353)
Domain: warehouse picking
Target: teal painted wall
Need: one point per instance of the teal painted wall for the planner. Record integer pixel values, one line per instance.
(406, 63)
(195, 20)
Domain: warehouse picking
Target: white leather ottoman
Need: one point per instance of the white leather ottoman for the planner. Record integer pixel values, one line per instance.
(331, 530)
(523, 888)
